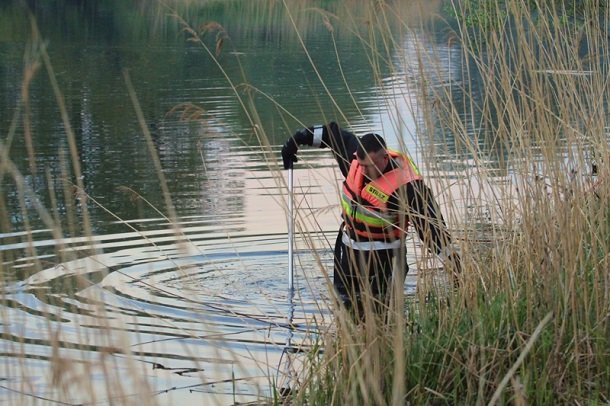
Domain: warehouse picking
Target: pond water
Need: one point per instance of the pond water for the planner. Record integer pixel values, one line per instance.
(174, 283)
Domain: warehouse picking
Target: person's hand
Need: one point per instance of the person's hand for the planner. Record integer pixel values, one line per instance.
(291, 147)
(289, 153)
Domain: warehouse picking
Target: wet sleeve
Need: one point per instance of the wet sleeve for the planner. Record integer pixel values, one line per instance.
(342, 143)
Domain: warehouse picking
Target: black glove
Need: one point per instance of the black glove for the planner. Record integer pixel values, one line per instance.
(289, 153)
(291, 147)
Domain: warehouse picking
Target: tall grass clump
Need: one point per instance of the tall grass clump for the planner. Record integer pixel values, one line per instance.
(528, 323)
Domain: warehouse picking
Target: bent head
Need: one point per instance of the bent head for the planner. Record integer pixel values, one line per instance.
(372, 155)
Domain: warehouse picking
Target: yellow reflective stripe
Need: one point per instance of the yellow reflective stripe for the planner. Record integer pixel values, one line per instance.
(374, 219)
(364, 209)
(415, 168)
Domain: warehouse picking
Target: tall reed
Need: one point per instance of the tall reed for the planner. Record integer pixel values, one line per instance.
(529, 322)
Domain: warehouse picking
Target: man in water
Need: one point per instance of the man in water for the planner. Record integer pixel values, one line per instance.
(382, 193)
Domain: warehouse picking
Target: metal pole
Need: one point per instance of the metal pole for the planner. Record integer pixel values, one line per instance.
(290, 232)
(286, 389)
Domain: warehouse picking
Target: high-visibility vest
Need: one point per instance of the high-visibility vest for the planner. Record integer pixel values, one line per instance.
(364, 205)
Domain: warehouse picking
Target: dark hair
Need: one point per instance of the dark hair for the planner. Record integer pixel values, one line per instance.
(369, 143)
